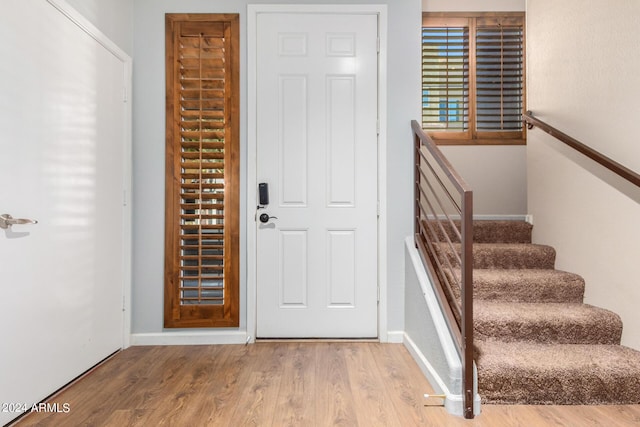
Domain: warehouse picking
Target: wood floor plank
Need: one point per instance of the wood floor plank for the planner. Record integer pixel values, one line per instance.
(127, 417)
(297, 394)
(334, 400)
(623, 415)
(219, 399)
(284, 384)
(593, 416)
(218, 379)
(406, 384)
(503, 416)
(373, 403)
(184, 402)
(256, 404)
(167, 385)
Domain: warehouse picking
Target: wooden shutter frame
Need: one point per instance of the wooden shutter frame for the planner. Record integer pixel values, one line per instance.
(453, 19)
(227, 314)
(461, 22)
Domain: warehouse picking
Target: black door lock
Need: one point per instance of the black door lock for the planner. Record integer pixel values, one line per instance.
(264, 218)
(263, 193)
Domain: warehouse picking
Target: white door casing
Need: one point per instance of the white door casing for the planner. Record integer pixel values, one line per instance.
(317, 120)
(65, 162)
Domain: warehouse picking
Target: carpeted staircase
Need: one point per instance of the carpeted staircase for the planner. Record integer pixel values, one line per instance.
(536, 341)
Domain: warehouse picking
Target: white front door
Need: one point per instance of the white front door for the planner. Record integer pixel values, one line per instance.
(317, 112)
(62, 157)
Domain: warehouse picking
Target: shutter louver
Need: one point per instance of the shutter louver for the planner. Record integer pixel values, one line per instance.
(499, 78)
(445, 78)
(202, 140)
(473, 77)
(201, 277)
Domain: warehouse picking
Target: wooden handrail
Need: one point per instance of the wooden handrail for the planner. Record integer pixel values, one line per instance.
(598, 157)
(459, 318)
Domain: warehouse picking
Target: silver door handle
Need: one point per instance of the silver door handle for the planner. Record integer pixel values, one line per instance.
(6, 221)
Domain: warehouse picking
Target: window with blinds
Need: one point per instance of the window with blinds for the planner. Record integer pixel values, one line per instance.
(499, 76)
(445, 78)
(202, 171)
(473, 77)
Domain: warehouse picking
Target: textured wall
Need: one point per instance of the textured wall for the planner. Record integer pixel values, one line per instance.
(582, 79)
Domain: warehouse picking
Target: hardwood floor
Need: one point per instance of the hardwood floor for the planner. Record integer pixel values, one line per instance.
(283, 384)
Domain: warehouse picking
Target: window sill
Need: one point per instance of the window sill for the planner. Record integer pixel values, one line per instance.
(496, 141)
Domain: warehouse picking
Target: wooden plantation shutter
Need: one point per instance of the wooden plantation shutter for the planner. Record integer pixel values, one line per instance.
(445, 77)
(202, 171)
(499, 76)
(473, 77)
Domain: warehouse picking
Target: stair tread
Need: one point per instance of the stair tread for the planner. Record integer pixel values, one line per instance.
(527, 285)
(506, 255)
(526, 311)
(535, 341)
(510, 246)
(488, 274)
(533, 356)
(547, 322)
(541, 373)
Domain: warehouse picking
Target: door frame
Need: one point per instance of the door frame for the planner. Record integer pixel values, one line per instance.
(91, 30)
(253, 10)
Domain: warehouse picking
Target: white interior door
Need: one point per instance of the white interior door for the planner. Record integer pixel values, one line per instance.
(317, 151)
(62, 157)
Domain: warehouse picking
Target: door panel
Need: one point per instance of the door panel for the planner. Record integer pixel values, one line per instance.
(317, 150)
(341, 163)
(62, 137)
(294, 282)
(293, 146)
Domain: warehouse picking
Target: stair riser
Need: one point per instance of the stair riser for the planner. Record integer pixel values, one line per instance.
(512, 258)
(528, 373)
(578, 333)
(526, 292)
(507, 257)
(534, 389)
(486, 231)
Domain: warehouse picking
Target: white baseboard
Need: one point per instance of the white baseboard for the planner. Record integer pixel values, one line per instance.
(395, 337)
(190, 338)
(490, 217)
(500, 217)
(453, 403)
(434, 379)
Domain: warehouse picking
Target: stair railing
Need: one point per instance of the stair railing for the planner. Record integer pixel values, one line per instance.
(444, 238)
(598, 157)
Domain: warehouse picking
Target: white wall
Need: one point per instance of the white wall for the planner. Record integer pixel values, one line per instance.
(497, 174)
(427, 336)
(113, 17)
(403, 106)
(583, 78)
